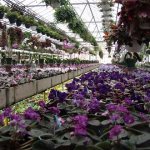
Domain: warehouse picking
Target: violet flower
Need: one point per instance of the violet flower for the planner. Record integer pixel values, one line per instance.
(128, 119)
(115, 131)
(94, 105)
(31, 114)
(80, 125)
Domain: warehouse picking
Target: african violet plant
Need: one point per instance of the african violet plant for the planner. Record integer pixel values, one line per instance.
(106, 110)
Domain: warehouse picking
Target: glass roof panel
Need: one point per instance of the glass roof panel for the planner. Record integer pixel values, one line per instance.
(87, 10)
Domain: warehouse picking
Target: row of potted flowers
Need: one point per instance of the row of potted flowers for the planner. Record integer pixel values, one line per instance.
(105, 110)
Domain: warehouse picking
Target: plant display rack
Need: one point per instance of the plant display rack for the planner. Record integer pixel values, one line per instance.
(15, 94)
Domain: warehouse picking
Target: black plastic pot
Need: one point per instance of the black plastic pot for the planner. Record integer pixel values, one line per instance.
(41, 61)
(18, 22)
(1, 15)
(8, 61)
(27, 25)
(12, 20)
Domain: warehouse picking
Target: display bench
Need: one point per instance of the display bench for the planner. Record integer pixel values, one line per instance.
(15, 94)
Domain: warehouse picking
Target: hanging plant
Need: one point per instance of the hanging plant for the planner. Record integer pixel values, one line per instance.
(12, 16)
(19, 35)
(64, 14)
(12, 35)
(55, 3)
(4, 38)
(28, 21)
(2, 11)
(19, 20)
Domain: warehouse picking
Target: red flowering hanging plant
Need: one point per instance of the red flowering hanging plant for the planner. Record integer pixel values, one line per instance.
(135, 19)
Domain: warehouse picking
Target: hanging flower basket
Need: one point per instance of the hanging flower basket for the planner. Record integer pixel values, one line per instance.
(136, 47)
(18, 22)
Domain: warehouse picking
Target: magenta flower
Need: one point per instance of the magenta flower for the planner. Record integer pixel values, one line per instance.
(128, 119)
(111, 107)
(81, 119)
(122, 109)
(79, 130)
(80, 125)
(115, 131)
(42, 104)
(128, 101)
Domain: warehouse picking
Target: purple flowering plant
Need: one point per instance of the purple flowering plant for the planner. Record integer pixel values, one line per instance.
(113, 114)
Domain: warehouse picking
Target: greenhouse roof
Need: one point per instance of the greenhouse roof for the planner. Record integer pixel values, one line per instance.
(87, 10)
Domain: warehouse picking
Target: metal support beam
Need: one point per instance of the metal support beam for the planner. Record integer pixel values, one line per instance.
(93, 15)
(93, 3)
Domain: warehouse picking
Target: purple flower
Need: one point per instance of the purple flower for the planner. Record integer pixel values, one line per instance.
(57, 95)
(111, 107)
(115, 131)
(122, 109)
(119, 86)
(7, 112)
(80, 125)
(81, 119)
(31, 114)
(128, 119)
(54, 110)
(114, 117)
(94, 105)
(79, 130)
(42, 104)
(128, 101)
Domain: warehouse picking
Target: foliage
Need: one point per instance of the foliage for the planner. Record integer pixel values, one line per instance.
(64, 14)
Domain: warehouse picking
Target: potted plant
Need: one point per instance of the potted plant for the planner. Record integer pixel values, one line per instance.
(55, 3)
(19, 20)
(28, 21)
(12, 16)
(64, 14)
(2, 11)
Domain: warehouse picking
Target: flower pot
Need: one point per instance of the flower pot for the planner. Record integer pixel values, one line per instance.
(8, 61)
(18, 23)
(12, 20)
(145, 25)
(135, 47)
(130, 63)
(27, 25)
(1, 15)
(33, 28)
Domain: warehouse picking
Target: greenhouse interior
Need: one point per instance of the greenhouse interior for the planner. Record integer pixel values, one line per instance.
(76, 83)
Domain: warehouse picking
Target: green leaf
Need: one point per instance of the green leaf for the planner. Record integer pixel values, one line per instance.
(138, 140)
(6, 129)
(5, 138)
(43, 145)
(36, 133)
(90, 147)
(106, 122)
(128, 145)
(94, 122)
(105, 145)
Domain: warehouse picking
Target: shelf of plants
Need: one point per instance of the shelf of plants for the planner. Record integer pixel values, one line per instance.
(22, 84)
(99, 110)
